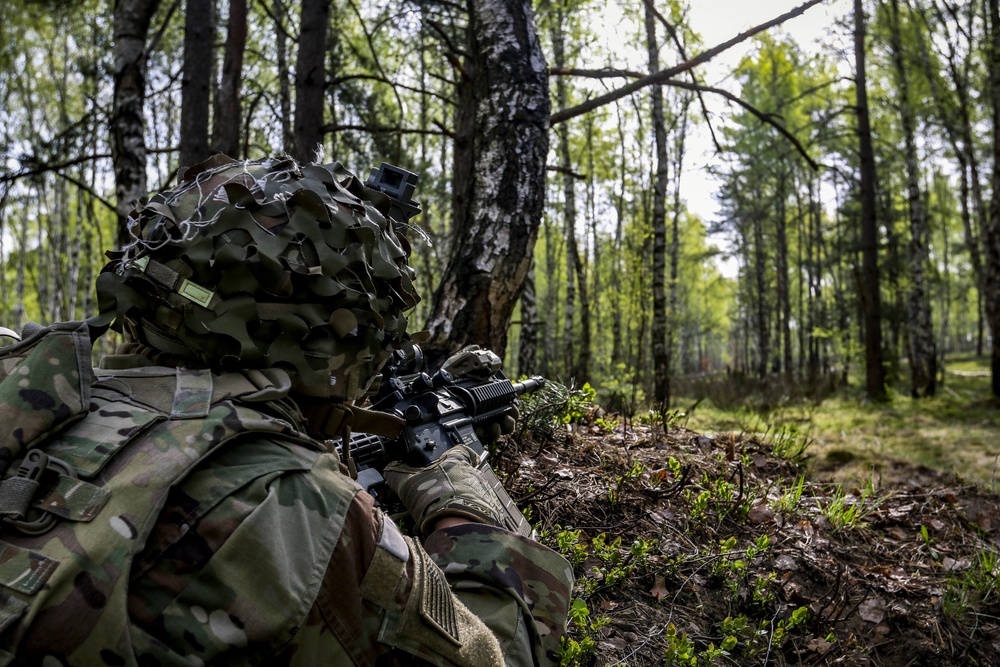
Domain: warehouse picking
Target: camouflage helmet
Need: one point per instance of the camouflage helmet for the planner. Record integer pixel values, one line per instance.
(266, 263)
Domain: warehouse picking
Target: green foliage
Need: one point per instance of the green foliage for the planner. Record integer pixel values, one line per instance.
(682, 651)
(788, 501)
(974, 591)
(846, 510)
(576, 651)
(579, 404)
(626, 481)
(567, 542)
(852, 437)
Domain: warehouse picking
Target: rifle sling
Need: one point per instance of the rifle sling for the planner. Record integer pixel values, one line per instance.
(335, 420)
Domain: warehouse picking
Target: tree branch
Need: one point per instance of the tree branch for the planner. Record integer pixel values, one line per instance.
(336, 81)
(694, 78)
(697, 88)
(564, 170)
(375, 129)
(664, 75)
(43, 167)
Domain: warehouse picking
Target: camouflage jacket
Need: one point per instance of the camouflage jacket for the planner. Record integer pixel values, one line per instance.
(200, 525)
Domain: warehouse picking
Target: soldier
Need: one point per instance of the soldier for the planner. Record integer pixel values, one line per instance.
(180, 504)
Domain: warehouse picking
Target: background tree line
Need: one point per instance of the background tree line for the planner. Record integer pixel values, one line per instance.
(857, 180)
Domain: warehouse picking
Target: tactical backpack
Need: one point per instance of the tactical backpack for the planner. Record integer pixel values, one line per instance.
(87, 458)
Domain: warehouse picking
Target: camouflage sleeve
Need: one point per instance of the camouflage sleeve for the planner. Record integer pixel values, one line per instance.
(268, 556)
(504, 599)
(519, 588)
(386, 602)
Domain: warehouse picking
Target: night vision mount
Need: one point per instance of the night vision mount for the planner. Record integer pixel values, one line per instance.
(398, 185)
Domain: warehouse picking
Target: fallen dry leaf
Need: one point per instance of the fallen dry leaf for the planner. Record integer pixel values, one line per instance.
(819, 645)
(760, 513)
(872, 610)
(659, 590)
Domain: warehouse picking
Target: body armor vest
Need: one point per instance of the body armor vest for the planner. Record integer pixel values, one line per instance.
(88, 458)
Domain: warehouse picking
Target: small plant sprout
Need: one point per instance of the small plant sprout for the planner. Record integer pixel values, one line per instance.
(575, 652)
(788, 502)
(846, 511)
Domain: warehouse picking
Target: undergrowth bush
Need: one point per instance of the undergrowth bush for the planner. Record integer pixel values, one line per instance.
(734, 391)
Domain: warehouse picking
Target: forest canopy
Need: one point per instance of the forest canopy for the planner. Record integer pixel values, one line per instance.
(856, 176)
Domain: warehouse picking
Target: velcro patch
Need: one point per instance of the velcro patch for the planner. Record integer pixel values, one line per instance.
(437, 605)
(24, 570)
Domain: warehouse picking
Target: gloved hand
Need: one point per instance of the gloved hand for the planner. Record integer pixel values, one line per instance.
(491, 431)
(474, 362)
(451, 486)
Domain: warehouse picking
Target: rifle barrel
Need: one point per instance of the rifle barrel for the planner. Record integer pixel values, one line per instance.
(528, 386)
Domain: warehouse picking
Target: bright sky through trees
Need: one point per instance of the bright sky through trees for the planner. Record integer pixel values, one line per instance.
(718, 21)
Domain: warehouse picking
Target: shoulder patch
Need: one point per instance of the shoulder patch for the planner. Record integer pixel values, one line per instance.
(437, 605)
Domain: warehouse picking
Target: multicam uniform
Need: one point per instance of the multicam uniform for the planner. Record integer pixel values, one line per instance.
(246, 543)
(172, 514)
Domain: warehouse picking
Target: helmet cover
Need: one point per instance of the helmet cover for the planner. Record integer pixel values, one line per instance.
(266, 263)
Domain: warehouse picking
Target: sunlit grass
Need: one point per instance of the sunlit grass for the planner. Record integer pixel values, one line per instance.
(956, 431)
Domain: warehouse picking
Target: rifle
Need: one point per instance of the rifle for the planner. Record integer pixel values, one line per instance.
(439, 411)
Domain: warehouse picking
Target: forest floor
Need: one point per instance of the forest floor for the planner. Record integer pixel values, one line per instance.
(730, 549)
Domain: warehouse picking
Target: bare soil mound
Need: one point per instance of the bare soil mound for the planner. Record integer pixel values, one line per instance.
(696, 550)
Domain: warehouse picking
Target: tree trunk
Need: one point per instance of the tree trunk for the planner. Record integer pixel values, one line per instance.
(504, 195)
(617, 351)
(959, 130)
(569, 201)
(581, 369)
(874, 367)
(550, 299)
(800, 302)
(196, 78)
(310, 79)
(675, 241)
(661, 360)
(128, 141)
(596, 288)
(923, 355)
(284, 88)
(761, 318)
(784, 309)
(991, 230)
(226, 135)
(527, 352)
(941, 187)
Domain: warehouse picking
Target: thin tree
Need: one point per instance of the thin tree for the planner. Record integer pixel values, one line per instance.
(196, 78)
(310, 79)
(922, 347)
(128, 141)
(991, 230)
(874, 367)
(661, 355)
(226, 130)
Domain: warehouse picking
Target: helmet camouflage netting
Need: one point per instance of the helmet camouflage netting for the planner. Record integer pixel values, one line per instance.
(257, 264)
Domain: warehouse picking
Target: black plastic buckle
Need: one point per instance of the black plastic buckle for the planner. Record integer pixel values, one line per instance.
(33, 467)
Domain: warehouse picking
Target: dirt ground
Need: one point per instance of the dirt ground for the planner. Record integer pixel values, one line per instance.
(731, 555)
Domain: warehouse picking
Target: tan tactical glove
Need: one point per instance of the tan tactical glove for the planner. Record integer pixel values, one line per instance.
(451, 486)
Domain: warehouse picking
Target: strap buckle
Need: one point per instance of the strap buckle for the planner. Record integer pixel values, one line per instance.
(29, 474)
